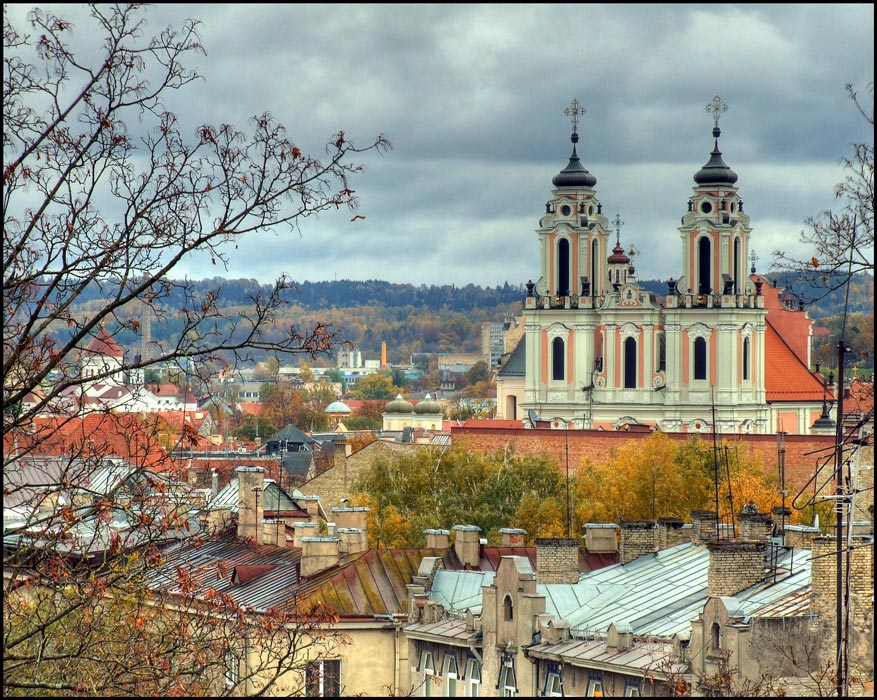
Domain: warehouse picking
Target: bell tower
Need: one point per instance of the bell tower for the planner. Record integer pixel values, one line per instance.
(715, 230)
(573, 233)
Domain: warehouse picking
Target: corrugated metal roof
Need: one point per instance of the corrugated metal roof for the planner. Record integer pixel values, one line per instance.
(656, 594)
(274, 498)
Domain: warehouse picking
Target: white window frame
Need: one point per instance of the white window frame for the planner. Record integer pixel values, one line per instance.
(473, 678)
(323, 674)
(632, 689)
(506, 690)
(450, 676)
(232, 672)
(553, 685)
(427, 674)
(595, 687)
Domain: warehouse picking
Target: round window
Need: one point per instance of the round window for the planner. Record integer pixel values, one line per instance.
(706, 207)
(565, 210)
(591, 210)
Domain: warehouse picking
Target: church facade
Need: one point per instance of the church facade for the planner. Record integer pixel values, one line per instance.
(723, 348)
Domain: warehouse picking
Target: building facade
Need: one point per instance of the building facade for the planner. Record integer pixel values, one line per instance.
(722, 349)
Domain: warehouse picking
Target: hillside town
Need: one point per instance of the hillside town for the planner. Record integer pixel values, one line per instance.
(623, 493)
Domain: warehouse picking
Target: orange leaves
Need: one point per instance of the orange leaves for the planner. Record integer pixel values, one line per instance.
(814, 262)
(296, 152)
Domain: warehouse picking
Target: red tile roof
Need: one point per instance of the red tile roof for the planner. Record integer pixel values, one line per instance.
(121, 435)
(786, 377)
(103, 344)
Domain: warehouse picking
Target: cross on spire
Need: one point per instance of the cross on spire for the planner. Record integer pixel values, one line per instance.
(618, 224)
(574, 111)
(716, 108)
(753, 258)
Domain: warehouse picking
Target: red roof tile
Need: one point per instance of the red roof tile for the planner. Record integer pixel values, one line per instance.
(786, 377)
(103, 344)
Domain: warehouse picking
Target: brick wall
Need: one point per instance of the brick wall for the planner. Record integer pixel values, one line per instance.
(557, 560)
(637, 538)
(598, 445)
(754, 527)
(670, 532)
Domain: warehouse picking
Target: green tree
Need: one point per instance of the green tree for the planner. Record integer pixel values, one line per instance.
(375, 386)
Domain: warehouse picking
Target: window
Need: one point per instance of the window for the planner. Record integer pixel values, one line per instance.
(507, 685)
(323, 679)
(700, 358)
(553, 686)
(508, 612)
(716, 636)
(557, 359)
(745, 358)
(630, 363)
(473, 678)
(232, 668)
(427, 671)
(450, 676)
(563, 267)
(595, 257)
(704, 284)
(632, 688)
(595, 687)
(662, 353)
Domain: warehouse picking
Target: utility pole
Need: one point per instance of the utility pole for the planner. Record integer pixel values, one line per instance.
(840, 497)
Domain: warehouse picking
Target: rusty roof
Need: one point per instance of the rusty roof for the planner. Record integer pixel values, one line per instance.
(795, 604)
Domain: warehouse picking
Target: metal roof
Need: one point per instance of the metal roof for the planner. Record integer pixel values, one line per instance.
(274, 498)
(656, 594)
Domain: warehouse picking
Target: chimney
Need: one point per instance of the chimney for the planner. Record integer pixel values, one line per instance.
(353, 540)
(755, 527)
(860, 578)
(346, 516)
(251, 484)
(467, 545)
(312, 506)
(303, 530)
(437, 539)
(734, 566)
(343, 447)
(782, 516)
(637, 538)
(601, 537)
(274, 532)
(557, 560)
(801, 536)
(318, 554)
(670, 532)
(214, 482)
(512, 536)
(703, 526)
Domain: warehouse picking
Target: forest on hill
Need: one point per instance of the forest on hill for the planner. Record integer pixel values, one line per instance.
(441, 318)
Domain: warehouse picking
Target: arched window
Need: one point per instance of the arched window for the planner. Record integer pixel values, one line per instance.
(595, 249)
(736, 270)
(558, 357)
(662, 352)
(473, 678)
(716, 636)
(704, 264)
(630, 363)
(427, 670)
(699, 358)
(745, 358)
(508, 612)
(563, 267)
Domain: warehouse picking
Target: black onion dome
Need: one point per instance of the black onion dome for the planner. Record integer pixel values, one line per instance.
(618, 256)
(715, 171)
(574, 174)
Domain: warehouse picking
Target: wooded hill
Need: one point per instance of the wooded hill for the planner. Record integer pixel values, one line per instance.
(424, 318)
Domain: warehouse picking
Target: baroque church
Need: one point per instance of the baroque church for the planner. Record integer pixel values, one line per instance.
(723, 348)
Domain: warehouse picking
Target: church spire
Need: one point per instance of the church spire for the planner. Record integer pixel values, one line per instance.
(574, 174)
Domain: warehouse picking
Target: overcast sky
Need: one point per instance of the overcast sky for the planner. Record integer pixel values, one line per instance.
(473, 99)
